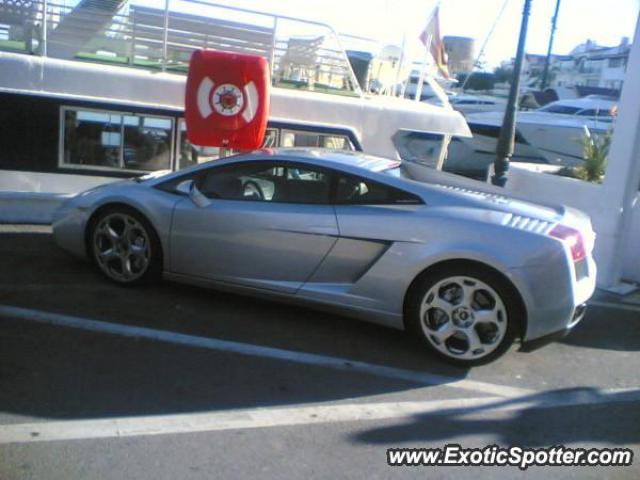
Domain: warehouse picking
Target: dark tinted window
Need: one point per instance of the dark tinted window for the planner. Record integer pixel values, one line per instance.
(110, 140)
(267, 182)
(492, 132)
(361, 191)
(564, 109)
(588, 113)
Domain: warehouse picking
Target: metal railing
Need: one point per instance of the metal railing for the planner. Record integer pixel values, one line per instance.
(161, 35)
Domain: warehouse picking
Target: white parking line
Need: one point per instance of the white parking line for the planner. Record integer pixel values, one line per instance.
(25, 229)
(616, 306)
(290, 416)
(335, 363)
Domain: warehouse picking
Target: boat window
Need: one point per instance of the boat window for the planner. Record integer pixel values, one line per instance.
(362, 191)
(267, 182)
(421, 147)
(95, 139)
(563, 109)
(188, 154)
(593, 112)
(270, 138)
(493, 131)
(147, 143)
(590, 112)
(291, 138)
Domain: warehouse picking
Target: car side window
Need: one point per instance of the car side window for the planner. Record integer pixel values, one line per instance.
(267, 182)
(361, 191)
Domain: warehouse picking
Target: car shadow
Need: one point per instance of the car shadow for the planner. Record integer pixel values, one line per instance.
(610, 329)
(589, 415)
(39, 274)
(57, 372)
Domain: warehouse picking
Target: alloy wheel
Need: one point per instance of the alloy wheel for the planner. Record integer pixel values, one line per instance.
(463, 318)
(121, 247)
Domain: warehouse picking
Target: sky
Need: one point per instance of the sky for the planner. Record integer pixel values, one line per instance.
(389, 21)
(604, 21)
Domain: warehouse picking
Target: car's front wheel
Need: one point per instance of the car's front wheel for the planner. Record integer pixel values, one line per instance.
(467, 315)
(125, 246)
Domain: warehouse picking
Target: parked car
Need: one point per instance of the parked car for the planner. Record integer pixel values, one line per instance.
(465, 270)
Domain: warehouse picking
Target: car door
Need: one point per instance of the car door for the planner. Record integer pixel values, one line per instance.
(266, 225)
(371, 217)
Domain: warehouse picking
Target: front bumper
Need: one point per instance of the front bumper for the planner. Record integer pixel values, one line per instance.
(68, 229)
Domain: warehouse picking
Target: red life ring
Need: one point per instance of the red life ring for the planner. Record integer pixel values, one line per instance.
(227, 99)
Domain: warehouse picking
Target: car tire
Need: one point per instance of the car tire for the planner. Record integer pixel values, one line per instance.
(466, 314)
(125, 247)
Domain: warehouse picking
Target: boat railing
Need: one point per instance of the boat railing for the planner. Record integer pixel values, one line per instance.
(161, 35)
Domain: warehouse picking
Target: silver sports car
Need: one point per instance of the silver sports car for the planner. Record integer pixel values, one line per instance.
(464, 270)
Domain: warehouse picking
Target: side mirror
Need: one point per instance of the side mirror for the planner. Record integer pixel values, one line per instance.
(185, 187)
(188, 187)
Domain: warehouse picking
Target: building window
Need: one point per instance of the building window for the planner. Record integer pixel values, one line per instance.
(615, 62)
(98, 139)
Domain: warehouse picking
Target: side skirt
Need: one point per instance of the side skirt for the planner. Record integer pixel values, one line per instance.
(379, 317)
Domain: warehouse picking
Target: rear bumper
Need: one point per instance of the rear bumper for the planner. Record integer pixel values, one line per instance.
(535, 344)
(553, 296)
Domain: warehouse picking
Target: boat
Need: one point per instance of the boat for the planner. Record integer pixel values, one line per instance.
(432, 91)
(99, 94)
(469, 104)
(549, 135)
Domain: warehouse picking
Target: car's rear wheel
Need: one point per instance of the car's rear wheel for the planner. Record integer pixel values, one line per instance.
(125, 246)
(466, 315)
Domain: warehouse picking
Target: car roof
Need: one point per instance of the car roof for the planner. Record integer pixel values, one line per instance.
(356, 163)
(320, 155)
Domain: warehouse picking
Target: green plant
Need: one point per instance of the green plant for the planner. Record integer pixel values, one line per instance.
(595, 150)
(571, 172)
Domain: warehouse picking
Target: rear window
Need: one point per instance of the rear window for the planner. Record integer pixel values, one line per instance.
(361, 191)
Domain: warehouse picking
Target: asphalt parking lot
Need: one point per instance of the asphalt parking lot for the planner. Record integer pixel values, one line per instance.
(170, 381)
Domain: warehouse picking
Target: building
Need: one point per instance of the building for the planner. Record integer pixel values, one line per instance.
(591, 65)
(460, 51)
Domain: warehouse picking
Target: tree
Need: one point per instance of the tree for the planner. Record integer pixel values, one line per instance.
(478, 81)
(503, 75)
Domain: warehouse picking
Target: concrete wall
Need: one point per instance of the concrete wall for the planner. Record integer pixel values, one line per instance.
(29, 197)
(588, 197)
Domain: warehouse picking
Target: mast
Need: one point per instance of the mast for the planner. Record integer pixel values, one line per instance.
(505, 146)
(554, 22)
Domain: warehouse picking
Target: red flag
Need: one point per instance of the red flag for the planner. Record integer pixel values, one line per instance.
(431, 38)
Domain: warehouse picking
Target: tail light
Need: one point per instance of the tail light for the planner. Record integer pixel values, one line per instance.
(572, 238)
